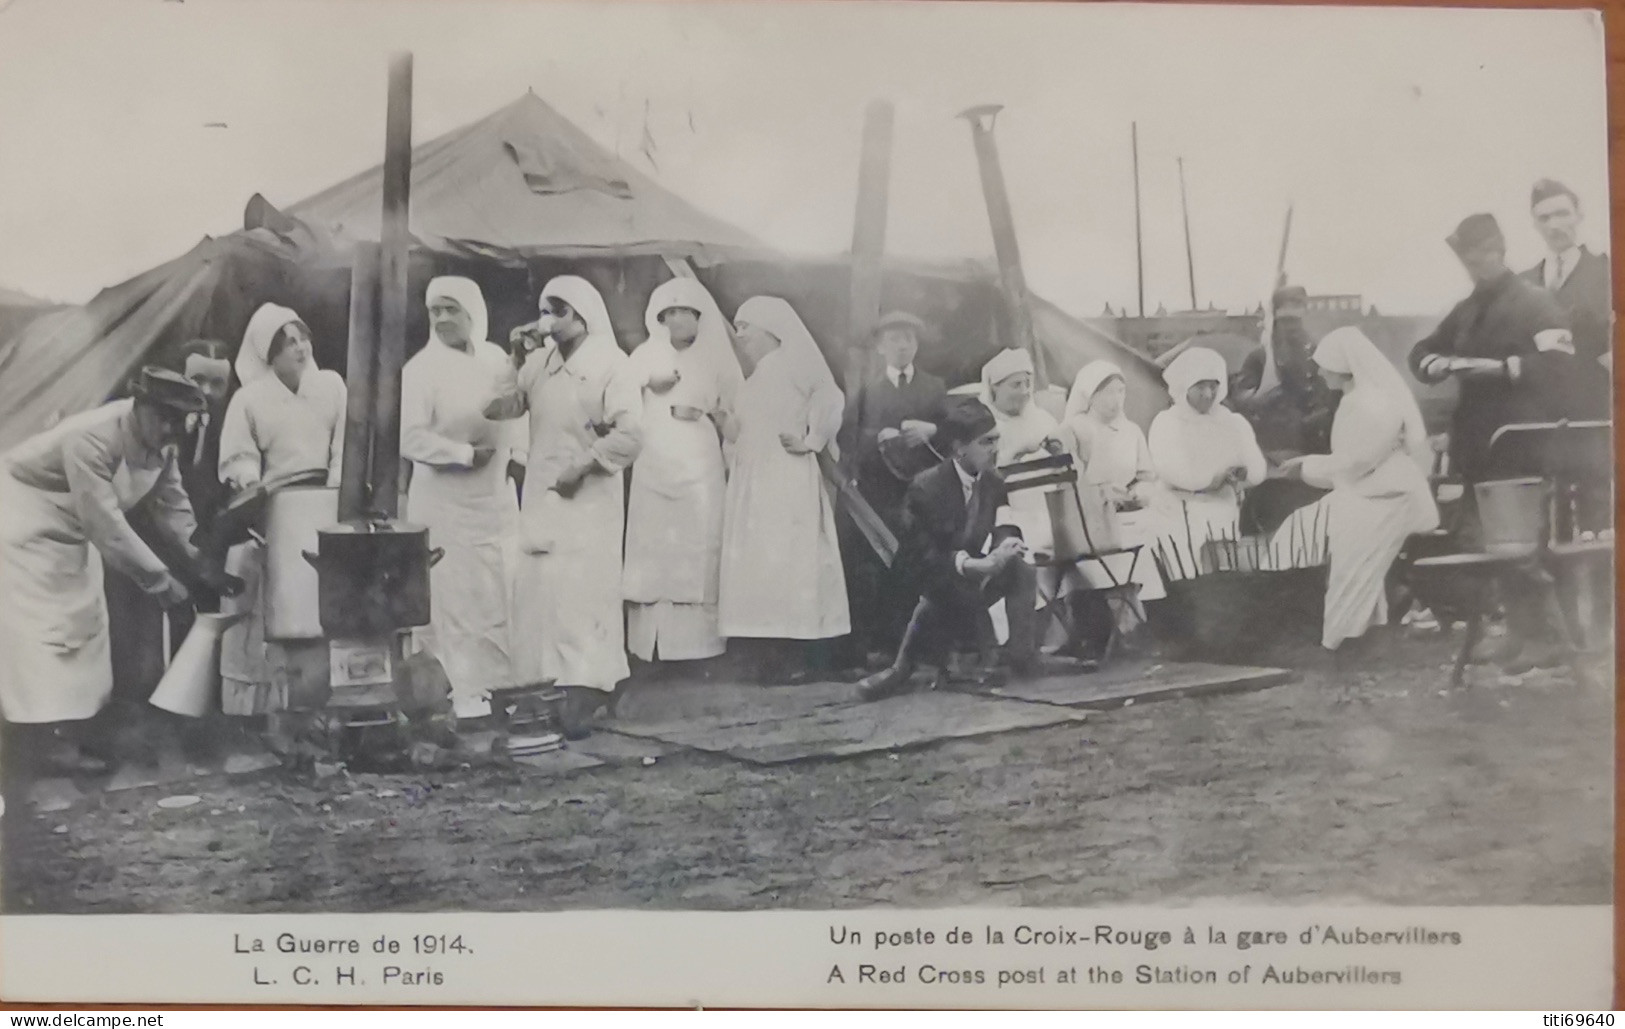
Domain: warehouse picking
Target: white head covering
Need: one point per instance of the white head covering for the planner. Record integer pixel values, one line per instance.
(1090, 378)
(254, 356)
(465, 293)
(776, 317)
(712, 344)
(586, 302)
(1196, 364)
(1349, 352)
(1005, 364)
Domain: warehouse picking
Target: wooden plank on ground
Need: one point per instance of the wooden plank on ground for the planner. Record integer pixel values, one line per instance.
(837, 730)
(1142, 683)
(653, 712)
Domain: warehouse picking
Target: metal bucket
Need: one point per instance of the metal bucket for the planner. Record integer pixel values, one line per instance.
(294, 518)
(1512, 513)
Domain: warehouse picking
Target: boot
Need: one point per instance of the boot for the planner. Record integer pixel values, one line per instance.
(889, 683)
(895, 679)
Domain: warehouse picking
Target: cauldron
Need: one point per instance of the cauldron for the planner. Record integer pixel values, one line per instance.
(373, 578)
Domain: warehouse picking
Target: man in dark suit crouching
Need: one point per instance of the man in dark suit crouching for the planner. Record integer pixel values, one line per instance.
(950, 562)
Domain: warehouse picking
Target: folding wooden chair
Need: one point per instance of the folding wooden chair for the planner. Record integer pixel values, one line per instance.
(1075, 543)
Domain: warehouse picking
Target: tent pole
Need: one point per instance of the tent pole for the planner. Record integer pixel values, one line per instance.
(1004, 236)
(354, 499)
(392, 305)
(868, 242)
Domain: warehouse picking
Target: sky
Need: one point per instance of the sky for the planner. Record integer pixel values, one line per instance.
(1382, 128)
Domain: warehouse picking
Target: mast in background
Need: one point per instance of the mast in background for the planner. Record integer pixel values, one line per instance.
(1139, 246)
(1190, 258)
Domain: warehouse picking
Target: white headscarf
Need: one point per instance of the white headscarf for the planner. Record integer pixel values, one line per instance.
(1005, 364)
(1196, 364)
(776, 317)
(1349, 352)
(586, 302)
(1090, 378)
(711, 344)
(254, 356)
(465, 293)
(1023, 433)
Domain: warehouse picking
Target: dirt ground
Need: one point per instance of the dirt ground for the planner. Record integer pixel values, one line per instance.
(1405, 792)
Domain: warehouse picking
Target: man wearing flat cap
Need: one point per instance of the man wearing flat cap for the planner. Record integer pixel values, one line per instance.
(67, 493)
(1509, 348)
(1580, 281)
(888, 429)
(948, 557)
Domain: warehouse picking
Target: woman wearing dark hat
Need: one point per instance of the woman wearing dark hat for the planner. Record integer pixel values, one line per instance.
(65, 494)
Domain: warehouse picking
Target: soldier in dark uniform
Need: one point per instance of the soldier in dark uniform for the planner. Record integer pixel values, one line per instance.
(1509, 347)
(1292, 416)
(1290, 408)
(897, 406)
(1579, 279)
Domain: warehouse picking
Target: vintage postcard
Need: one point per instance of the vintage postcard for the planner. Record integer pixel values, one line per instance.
(880, 504)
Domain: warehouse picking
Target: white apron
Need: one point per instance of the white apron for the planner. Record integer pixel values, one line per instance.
(568, 621)
(1112, 454)
(781, 561)
(674, 522)
(55, 657)
(470, 514)
(269, 432)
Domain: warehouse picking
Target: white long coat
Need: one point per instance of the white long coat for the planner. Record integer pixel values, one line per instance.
(781, 561)
(674, 518)
(470, 512)
(568, 619)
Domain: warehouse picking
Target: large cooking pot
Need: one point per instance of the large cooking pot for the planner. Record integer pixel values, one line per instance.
(373, 578)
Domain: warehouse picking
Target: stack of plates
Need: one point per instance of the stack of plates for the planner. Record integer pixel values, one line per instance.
(530, 746)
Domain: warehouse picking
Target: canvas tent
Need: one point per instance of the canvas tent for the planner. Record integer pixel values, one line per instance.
(509, 201)
(17, 309)
(526, 183)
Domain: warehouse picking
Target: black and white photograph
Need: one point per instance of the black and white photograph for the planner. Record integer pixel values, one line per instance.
(848, 459)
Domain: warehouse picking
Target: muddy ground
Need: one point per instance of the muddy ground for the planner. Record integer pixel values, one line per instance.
(1405, 792)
